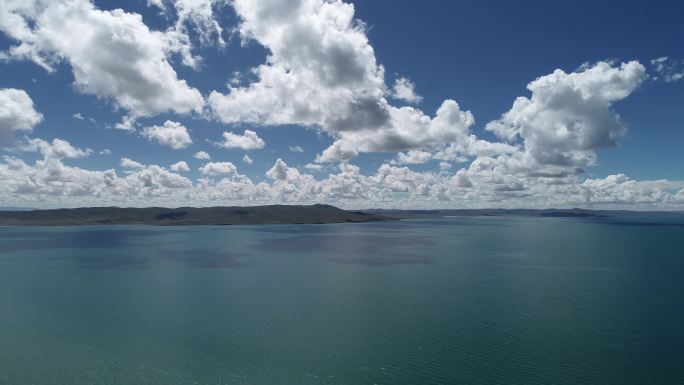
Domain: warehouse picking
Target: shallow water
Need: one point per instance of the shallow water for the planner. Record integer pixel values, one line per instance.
(443, 301)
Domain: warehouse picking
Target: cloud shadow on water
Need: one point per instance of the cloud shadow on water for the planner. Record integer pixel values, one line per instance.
(359, 249)
(127, 259)
(80, 239)
(214, 258)
(116, 248)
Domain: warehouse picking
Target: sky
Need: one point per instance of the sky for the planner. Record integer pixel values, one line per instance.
(360, 104)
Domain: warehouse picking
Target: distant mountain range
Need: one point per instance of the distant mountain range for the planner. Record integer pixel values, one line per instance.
(576, 213)
(488, 212)
(275, 214)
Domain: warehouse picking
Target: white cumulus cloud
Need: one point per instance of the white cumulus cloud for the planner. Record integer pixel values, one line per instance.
(172, 134)
(112, 54)
(247, 141)
(180, 166)
(404, 89)
(218, 168)
(321, 71)
(569, 115)
(412, 157)
(130, 163)
(57, 149)
(17, 113)
(202, 155)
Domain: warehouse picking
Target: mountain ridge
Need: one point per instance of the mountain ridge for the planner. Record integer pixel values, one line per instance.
(277, 214)
(161, 216)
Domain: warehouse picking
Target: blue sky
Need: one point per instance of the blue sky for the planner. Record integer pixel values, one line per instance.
(316, 82)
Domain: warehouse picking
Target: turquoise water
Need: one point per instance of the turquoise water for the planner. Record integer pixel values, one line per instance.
(446, 301)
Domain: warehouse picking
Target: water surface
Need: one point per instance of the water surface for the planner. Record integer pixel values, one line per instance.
(440, 301)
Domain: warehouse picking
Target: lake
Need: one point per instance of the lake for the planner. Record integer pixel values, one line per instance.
(500, 300)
